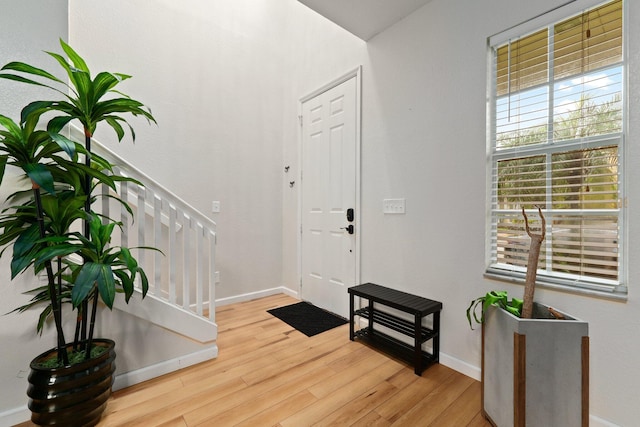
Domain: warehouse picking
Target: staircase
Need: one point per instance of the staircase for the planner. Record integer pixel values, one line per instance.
(181, 295)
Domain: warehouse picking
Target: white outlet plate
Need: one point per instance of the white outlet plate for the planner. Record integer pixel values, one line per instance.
(215, 206)
(393, 206)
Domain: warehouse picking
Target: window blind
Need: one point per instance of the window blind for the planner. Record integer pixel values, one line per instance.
(589, 41)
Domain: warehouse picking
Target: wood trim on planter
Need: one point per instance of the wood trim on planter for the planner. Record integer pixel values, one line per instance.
(519, 379)
(585, 381)
(482, 376)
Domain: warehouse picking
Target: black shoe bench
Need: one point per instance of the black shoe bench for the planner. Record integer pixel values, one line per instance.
(417, 306)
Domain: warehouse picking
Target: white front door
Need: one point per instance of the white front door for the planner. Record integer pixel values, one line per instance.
(329, 168)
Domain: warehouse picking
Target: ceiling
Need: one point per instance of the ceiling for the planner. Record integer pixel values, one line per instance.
(365, 18)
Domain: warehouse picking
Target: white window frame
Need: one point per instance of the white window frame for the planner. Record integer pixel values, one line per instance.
(617, 290)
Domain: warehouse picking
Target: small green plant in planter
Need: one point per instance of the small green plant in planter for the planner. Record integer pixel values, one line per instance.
(497, 298)
(81, 268)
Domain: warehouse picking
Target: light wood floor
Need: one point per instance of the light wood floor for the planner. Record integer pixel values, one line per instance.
(268, 374)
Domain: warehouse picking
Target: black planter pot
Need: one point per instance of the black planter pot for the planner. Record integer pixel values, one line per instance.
(73, 396)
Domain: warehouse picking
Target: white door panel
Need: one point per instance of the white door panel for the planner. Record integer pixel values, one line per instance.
(329, 147)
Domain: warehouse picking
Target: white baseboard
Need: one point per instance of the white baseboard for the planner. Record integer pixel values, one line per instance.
(599, 422)
(149, 372)
(460, 366)
(15, 416)
(255, 295)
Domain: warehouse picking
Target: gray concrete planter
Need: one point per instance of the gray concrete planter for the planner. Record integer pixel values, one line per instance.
(535, 372)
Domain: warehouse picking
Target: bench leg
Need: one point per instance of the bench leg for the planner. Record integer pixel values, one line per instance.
(351, 316)
(417, 356)
(436, 339)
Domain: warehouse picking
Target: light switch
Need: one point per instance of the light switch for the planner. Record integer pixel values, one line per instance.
(393, 206)
(215, 206)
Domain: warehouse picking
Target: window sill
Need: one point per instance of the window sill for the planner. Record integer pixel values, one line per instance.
(610, 295)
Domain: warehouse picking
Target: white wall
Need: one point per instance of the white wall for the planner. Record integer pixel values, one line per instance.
(212, 74)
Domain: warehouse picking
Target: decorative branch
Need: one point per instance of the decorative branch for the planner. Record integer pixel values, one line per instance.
(532, 264)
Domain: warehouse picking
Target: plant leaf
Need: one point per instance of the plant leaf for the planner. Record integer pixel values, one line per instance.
(107, 285)
(126, 282)
(497, 298)
(30, 69)
(129, 260)
(24, 80)
(471, 311)
(102, 83)
(11, 126)
(65, 143)
(77, 60)
(144, 281)
(3, 165)
(113, 122)
(35, 108)
(24, 249)
(58, 123)
(41, 176)
(85, 282)
(42, 319)
(51, 252)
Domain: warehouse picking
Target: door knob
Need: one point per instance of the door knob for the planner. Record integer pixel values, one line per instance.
(350, 228)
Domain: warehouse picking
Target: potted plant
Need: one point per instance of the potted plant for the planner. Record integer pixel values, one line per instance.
(53, 231)
(535, 359)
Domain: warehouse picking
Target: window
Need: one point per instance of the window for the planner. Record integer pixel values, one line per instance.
(557, 115)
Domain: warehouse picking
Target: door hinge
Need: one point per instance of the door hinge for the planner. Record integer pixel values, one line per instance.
(300, 120)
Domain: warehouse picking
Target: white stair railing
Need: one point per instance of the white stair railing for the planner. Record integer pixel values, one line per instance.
(183, 275)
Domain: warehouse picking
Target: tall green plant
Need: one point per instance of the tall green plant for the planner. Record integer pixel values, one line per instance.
(67, 181)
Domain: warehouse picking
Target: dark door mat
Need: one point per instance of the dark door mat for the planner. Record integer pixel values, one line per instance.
(307, 318)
